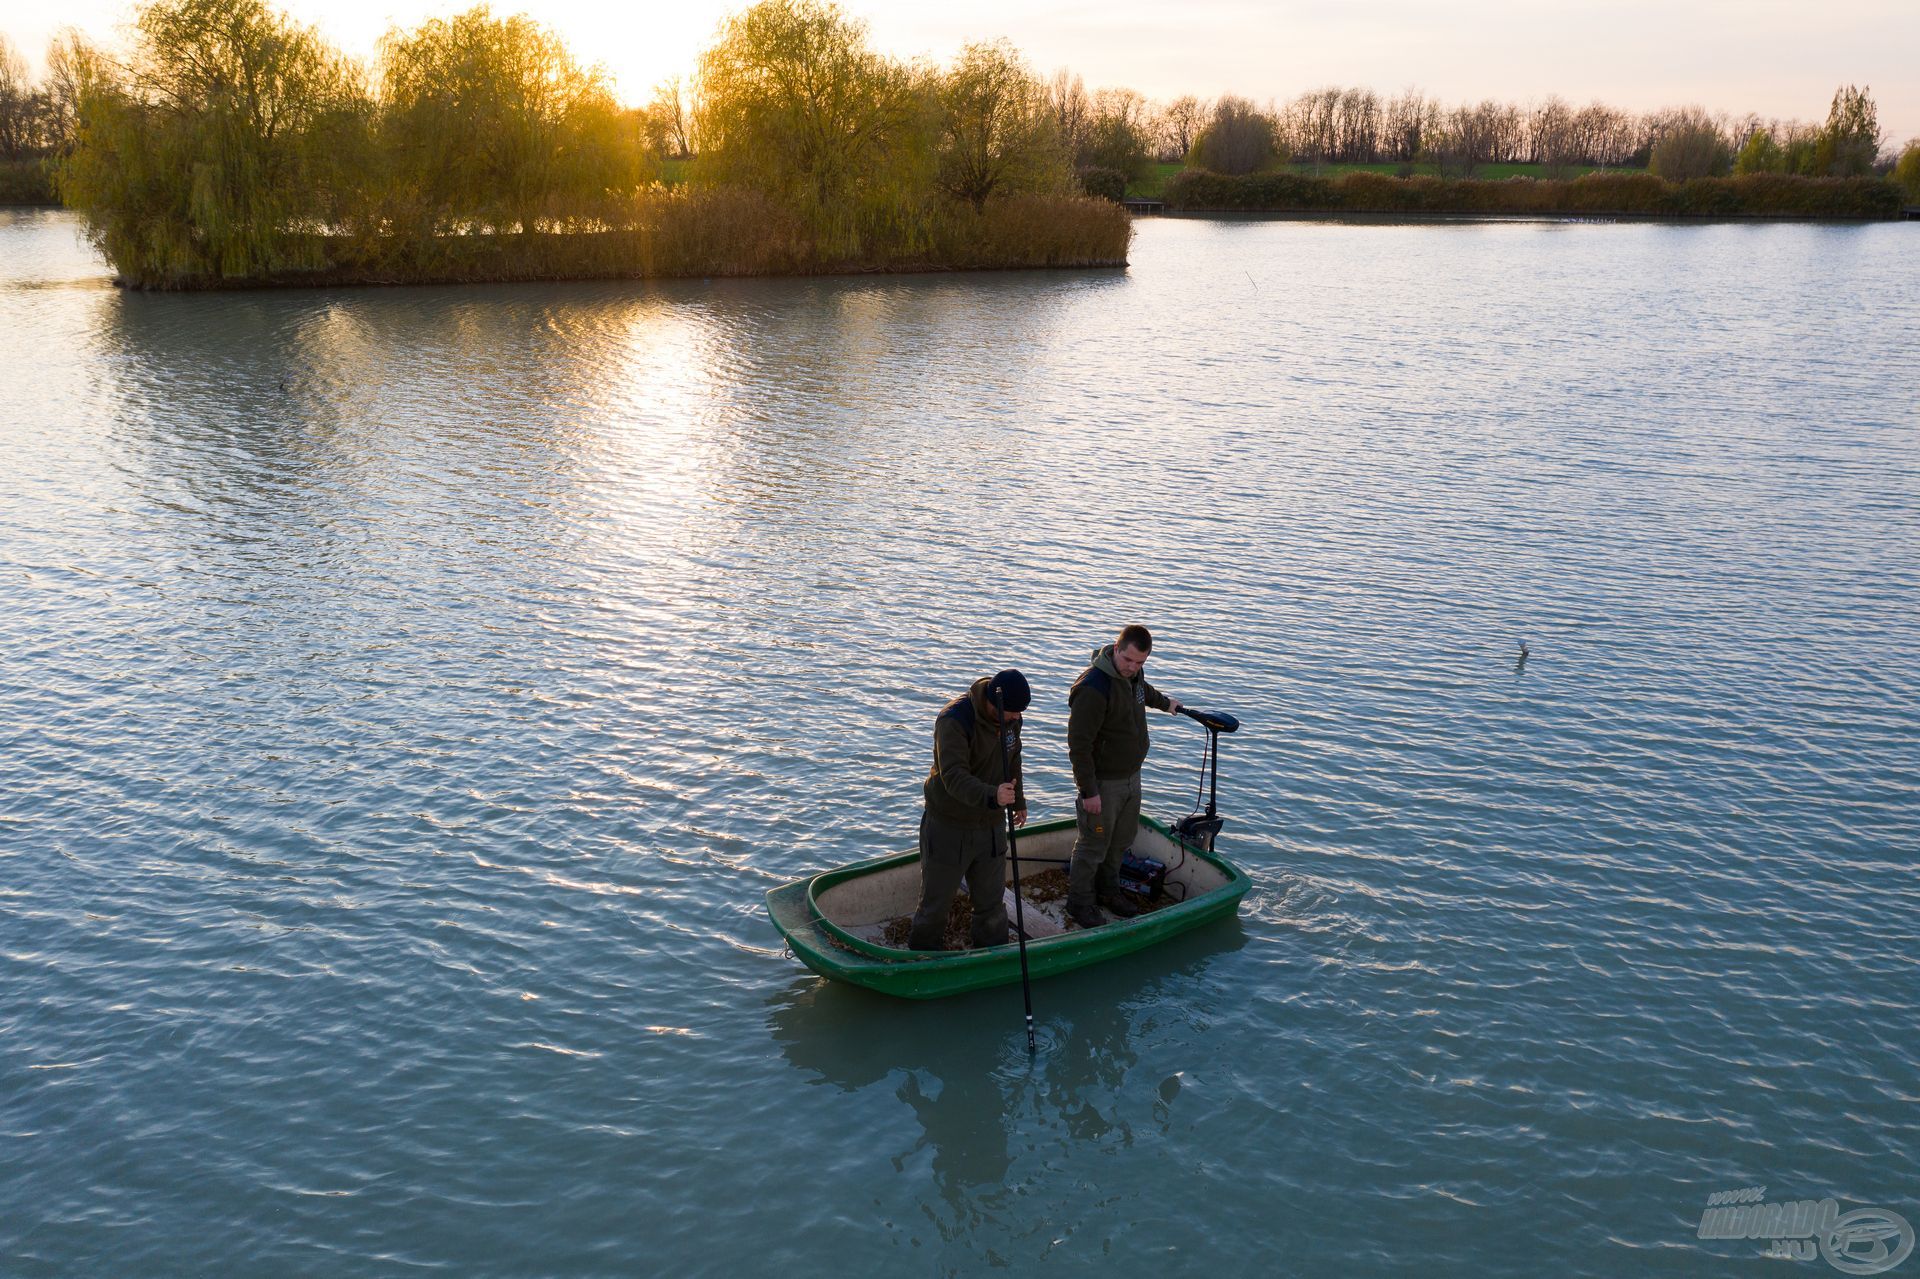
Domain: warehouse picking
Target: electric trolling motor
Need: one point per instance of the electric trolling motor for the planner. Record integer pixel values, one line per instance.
(1197, 828)
(1146, 877)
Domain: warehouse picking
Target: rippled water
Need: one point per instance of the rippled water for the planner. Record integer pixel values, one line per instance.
(408, 696)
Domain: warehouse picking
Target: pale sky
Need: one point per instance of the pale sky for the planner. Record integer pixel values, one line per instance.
(1779, 58)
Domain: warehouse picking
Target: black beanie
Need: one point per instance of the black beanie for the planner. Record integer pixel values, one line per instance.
(1012, 687)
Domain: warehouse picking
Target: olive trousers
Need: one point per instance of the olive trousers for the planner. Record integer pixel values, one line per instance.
(1103, 841)
(950, 853)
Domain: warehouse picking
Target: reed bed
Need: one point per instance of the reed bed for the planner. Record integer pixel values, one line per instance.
(697, 232)
(1759, 195)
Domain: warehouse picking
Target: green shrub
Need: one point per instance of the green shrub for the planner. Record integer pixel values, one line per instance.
(1906, 170)
(1238, 139)
(1107, 184)
(1197, 189)
(28, 181)
(1692, 149)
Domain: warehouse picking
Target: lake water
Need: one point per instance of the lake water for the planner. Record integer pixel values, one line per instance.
(409, 695)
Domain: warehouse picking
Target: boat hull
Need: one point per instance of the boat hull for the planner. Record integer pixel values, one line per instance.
(833, 953)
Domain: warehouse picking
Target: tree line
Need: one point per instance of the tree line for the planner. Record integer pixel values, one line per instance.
(1610, 192)
(1677, 163)
(231, 142)
(1358, 126)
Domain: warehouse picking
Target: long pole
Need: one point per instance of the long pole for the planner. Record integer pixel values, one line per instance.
(1013, 855)
(1213, 745)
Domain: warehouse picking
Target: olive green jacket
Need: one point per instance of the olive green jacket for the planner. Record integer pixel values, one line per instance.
(967, 763)
(1107, 723)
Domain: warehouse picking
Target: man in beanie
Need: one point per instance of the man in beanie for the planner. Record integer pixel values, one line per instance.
(963, 830)
(1107, 743)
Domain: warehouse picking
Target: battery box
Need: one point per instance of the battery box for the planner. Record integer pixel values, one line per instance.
(1143, 876)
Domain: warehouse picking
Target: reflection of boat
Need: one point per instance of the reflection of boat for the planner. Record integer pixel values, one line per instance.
(834, 921)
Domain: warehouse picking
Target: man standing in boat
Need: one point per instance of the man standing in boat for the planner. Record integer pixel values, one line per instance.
(963, 830)
(1107, 743)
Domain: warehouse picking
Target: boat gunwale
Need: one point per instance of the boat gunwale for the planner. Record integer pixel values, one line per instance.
(1235, 887)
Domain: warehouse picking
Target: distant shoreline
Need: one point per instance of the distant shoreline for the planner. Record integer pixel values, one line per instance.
(1390, 218)
(1753, 197)
(373, 280)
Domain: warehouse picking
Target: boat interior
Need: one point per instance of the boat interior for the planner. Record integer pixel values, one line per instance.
(866, 905)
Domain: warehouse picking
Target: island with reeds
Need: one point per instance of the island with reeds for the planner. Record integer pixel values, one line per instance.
(226, 145)
(235, 148)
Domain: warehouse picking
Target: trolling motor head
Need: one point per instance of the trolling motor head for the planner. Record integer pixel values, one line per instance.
(1212, 721)
(1197, 828)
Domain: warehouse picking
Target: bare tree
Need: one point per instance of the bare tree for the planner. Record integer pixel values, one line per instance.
(1550, 137)
(1119, 133)
(1467, 139)
(1509, 133)
(1358, 127)
(1072, 110)
(1604, 137)
(1181, 122)
(1411, 119)
(66, 56)
(19, 105)
(671, 116)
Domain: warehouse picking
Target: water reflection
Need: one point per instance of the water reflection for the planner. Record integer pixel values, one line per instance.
(990, 1116)
(754, 401)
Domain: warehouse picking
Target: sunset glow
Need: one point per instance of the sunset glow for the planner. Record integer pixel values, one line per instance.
(1635, 54)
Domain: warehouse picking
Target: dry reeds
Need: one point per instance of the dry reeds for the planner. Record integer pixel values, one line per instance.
(1757, 195)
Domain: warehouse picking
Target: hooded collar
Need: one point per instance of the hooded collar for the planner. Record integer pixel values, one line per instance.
(982, 696)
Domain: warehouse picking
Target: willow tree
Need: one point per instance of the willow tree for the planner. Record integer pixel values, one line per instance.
(1850, 142)
(1119, 134)
(792, 102)
(490, 122)
(216, 152)
(1760, 153)
(997, 135)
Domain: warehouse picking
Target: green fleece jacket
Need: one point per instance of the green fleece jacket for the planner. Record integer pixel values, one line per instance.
(967, 764)
(1107, 723)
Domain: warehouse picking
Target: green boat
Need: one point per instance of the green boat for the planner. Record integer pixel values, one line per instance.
(835, 921)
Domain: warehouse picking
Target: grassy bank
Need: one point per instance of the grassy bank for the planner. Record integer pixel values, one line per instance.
(692, 232)
(27, 182)
(1637, 194)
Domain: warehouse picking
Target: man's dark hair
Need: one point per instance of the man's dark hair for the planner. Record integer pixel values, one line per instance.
(1134, 637)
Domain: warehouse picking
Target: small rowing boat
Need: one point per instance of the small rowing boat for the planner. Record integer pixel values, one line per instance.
(837, 922)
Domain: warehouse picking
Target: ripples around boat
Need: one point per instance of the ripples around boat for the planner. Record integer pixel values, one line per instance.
(409, 695)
